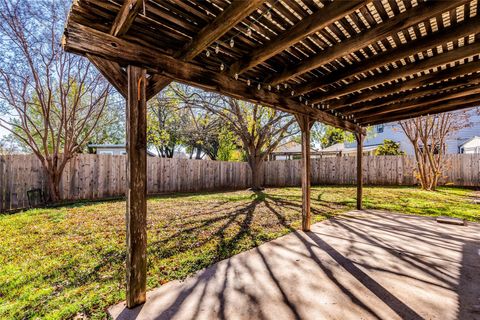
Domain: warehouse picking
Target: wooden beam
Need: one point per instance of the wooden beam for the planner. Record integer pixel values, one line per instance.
(458, 83)
(419, 102)
(81, 39)
(452, 33)
(401, 21)
(431, 108)
(305, 124)
(137, 187)
(403, 86)
(156, 83)
(224, 22)
(112, 71)
(311, 24)
(125, 17)
(360, 138)
(407, 70)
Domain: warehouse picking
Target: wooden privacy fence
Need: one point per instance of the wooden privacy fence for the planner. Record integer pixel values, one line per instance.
(104, 176)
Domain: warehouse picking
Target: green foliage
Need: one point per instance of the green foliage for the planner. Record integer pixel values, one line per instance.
(327, 136)
(166, 123)
(389, 148)
(227, 144)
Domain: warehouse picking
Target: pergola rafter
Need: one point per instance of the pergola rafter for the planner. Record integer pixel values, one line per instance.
(406, 50)
(458, 54)
(349, 103)
(402, 21)
(460, 83)
(346, 64)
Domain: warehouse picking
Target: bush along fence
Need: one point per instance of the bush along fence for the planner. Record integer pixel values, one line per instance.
(104, 176)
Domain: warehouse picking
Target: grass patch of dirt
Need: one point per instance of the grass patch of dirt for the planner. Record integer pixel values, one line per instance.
(60, 262)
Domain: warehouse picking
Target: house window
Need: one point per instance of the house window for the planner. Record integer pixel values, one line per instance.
(379, 128)
(436, 150)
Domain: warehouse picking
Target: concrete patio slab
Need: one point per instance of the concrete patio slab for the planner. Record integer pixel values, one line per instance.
(360, 265)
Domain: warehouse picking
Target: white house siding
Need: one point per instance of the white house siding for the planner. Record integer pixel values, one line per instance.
(471, 146)
(114, 151)
(393, 132)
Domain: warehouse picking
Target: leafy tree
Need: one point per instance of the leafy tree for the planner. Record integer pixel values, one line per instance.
(389, 148)
(227, 145)
(202, 132)
(326, 135)
(259, 129)
(165, 123)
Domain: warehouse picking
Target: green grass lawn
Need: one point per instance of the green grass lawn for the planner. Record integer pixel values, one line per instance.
(68, 261)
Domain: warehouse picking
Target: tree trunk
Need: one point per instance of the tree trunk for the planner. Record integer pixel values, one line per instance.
(54, 175)
(53, 181)
(256, 164)
(199, 153)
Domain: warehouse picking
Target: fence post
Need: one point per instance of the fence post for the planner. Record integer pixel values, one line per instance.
(360, 137)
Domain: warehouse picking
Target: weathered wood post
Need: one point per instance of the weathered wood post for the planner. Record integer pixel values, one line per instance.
(136, 215)
(305, 123)
(360, 137)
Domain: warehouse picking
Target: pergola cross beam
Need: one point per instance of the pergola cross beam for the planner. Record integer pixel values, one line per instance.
(87, 40)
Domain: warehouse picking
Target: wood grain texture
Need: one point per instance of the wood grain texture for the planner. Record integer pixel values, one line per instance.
(360, 139)
(235, 12)
(305, 123)
(311, 24)
(351, 102)
(392, 25)
(335, 170)
(464, 82)
(137, 188)
(84, 39)
(112, 71)
(125, 17)
(403, 51)
(407, 70)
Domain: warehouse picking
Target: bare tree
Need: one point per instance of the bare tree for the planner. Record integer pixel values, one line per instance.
(260, 129)
(428, 135)
(52, 100)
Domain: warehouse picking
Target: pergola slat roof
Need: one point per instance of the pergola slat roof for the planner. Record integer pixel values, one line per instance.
(346, 63)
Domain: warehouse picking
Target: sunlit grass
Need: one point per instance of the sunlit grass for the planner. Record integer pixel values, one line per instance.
(60, 262)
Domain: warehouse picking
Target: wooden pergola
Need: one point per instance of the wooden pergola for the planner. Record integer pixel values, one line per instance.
(344, 63)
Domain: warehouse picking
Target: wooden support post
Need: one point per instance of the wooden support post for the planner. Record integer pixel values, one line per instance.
(360, 137)
(305, 124)
(137, 187)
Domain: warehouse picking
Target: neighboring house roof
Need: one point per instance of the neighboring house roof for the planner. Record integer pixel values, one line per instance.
(115, 146)
(340, 147)
(291, 147)
(123, 146)
(469, 140)
(335, 147)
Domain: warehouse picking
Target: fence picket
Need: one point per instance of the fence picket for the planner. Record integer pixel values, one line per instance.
(100, 176)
